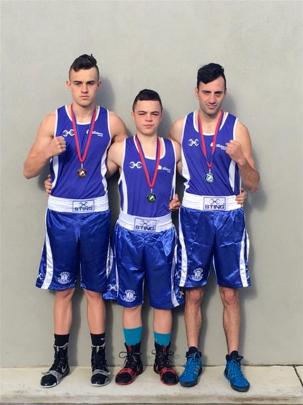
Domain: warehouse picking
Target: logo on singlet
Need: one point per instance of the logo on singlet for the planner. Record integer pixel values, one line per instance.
(193, 142)
(100, 134)
(68, 132)
(64, 278)
(148, 225)
(133, 165)
(129, 296)
(222, 147)
(197, 274)
(214, 203)
(165, 169)
(84, 206)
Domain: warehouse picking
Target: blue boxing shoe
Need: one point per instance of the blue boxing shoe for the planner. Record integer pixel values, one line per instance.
(193, 368)
(234, 373)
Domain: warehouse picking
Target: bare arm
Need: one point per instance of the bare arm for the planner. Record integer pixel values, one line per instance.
(175, 203)
(114, 157)
(175, 134)
(44, 147)
(240, 150)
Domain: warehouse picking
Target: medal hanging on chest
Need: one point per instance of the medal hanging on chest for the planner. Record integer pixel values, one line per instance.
(151, 196)
(82, 172)
(209, 177)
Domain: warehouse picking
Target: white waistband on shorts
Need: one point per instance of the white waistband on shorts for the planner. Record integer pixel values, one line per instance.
(147, 224)
(210, 202)
(78, 206)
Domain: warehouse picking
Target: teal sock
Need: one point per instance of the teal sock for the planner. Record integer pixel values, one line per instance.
(162, 339)
(132, 336)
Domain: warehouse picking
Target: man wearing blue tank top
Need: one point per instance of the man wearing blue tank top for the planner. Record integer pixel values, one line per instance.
(216, 158)
(144, 241)
(74, 140)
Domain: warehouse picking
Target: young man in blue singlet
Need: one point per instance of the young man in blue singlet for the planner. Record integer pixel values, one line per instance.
(144, 239)
(75, 139)
(216, 158)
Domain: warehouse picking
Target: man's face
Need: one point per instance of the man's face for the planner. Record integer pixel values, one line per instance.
(84, 85)
(147, 116)
(211, 96)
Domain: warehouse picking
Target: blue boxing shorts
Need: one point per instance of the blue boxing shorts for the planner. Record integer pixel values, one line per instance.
(214, 233)
(144, 253)
(76, 242)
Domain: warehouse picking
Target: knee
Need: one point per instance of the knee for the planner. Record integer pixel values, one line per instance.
(132, 311)
(193, 296)
(65, 295)
(92, 295)
(229, 296)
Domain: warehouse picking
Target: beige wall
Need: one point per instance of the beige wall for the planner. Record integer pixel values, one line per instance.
(160, 45)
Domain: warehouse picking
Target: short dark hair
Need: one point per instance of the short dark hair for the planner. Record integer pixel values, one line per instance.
(147, 95)
(209, 73)
(84, 62)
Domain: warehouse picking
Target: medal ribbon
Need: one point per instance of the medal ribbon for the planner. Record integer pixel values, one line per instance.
(152, 182)
(90, 133)
(214, 140)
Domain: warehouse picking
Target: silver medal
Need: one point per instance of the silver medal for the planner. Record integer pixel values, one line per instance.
(209, 177)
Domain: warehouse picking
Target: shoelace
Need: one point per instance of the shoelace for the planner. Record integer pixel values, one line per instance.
(234, 369)
(59, 361)
(130, 359)
(98, 360)
(162, 358)
(192, 365)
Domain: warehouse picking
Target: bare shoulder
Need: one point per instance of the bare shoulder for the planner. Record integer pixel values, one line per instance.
(47, 126)
(49, 120)
(242, 132)
(113, 116)
(175, 132)
(117, 127)
(177, 148)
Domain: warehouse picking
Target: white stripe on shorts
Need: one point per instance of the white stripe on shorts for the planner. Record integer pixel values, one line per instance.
(183, 255)
(49, 263)
(172, 279)
(242, 264)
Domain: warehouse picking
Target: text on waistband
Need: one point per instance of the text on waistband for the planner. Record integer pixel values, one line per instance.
(84, 206)
(214, 203)
(145, 224)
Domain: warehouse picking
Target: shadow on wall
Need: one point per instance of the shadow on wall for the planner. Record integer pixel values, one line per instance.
(105, 96)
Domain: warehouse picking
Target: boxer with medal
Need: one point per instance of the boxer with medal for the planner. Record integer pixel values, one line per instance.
(78, 212)
(208, 231)
(144, 238)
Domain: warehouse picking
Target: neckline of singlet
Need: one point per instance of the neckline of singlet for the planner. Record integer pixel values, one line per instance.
(163, 149)
(195, 120)
(82, 123)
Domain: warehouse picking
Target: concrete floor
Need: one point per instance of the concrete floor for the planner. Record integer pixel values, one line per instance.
(269, 385)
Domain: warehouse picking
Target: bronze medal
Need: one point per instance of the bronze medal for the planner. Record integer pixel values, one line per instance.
(81, 172)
